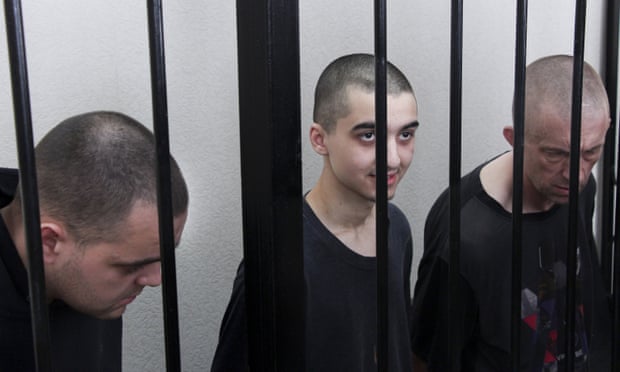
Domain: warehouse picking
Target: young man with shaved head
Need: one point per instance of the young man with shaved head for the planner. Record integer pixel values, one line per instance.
(100, 240)
(339, 228)
(481, 333)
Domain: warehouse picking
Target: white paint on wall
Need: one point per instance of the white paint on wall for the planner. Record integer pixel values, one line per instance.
(93, 55)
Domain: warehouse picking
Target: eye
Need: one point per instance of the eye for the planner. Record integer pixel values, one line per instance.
(592, 154)
(367, 136)
(406, 135)
(555, 155)
(131, 269)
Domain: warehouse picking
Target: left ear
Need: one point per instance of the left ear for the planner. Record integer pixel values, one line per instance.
(53, 239)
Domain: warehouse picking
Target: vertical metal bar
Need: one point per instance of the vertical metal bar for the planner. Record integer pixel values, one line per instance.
(164, 188)
(517, 194)
(28, 180)
(573, 203)
(270, 133)
(615, 346)
(610, 243)
(608, 162)
(456, 87)
(381, 203)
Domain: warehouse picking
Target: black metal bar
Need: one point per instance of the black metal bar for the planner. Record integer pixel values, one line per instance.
(28, 180)
(615, 346)
(270, 132)
(608, 162)
(456, 88)
(517, 189)
(381, 203)
(609, 237)
(164, 188)
(573, 203)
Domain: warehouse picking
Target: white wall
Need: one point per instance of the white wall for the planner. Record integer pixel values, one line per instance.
(92, 55)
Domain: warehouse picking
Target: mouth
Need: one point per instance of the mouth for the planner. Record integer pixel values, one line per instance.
(392, 178)
(562, 191)
(127, 300)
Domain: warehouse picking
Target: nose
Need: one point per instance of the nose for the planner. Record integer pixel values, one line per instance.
(582, 170)
(393, 158)
(150, 276)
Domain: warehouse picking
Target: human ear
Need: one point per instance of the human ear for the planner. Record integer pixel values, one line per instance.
(509, 135)
(317, 139)
(52, 237)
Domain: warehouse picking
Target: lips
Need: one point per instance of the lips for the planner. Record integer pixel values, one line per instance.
(129, 299)
(562, 189)
(391, 179)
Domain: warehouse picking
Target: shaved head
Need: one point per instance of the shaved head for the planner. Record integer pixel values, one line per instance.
(353, 71)
(548, 92)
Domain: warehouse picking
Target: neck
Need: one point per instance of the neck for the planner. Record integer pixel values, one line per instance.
(348, 216)
(12, 216)
(497, 180)
(13, 221)
(339, 208)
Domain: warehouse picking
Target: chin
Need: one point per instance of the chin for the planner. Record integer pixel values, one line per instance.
(108, 314)
(112, 315)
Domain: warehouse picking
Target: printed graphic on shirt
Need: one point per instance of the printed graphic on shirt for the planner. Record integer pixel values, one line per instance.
(543, 304)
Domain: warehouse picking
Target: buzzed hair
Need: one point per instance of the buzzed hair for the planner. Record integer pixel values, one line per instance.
(93, 168)
(549, 86)
(351, 71)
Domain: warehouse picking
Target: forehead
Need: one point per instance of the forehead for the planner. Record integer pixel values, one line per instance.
(362, 103)
(138, 239)
(550, 126)
(359, 101)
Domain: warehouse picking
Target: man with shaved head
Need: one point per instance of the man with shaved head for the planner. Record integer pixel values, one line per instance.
(339, 229)
(482, 331)
(99, 228)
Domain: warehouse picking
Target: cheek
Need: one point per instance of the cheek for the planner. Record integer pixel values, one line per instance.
(355, 159)
(406, 154)
(113, 280)
(545, 168)
(587, 169)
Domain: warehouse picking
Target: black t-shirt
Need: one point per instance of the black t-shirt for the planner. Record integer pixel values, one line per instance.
(341, 315)
(483, 332)
(78, 342)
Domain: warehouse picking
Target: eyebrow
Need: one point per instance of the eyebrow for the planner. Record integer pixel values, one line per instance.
(365, 125)
(371, 125)
(594, 148)
(142, 262)
(413, 124)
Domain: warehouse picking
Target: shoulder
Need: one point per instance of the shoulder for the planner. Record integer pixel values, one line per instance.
(395, 213)
(587, 196)
(399, 235)
(398, 220)
(99, 340)
(231, 353)
(470, 186)
(8, 184)
(590, 188)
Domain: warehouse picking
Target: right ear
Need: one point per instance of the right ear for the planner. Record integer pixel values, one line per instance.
(318, 139)
(52, 238)
(509, 135)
